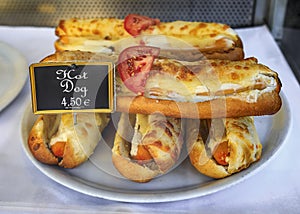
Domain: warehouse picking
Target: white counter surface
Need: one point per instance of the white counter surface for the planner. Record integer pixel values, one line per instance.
(24, 189)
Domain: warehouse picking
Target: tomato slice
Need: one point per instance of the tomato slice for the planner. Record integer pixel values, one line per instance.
(134, 23)
(134, 65)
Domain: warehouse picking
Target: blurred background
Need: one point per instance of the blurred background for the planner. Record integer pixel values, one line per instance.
(281, 16)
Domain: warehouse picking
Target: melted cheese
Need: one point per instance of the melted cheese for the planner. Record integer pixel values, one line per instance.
(245, 80)
(162, 86)
(62, 135)
(140, 129)
(203, 42)
(206, 80)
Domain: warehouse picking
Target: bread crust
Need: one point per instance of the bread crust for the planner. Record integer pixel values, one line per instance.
(266, 104)
(37, 144)
(203, 163)
(77, 56)
(128, 168)
(133, 171)
(236, 53)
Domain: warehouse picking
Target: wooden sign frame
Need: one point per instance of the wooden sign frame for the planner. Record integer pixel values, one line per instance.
(47, 97)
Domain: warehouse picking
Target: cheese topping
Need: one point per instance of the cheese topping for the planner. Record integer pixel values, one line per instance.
(140, 129)
(171, 80)
(83, 136)
(204, 42)
(62, 135)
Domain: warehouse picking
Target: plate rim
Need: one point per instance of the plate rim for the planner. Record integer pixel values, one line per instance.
(85, 187)
(20, 75)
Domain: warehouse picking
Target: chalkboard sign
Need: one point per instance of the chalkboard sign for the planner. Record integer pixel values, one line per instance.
(80, 87)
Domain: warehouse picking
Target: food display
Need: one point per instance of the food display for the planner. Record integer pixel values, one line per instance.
(203, 98)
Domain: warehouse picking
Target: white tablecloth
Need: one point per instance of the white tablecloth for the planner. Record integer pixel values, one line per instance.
(23, 188)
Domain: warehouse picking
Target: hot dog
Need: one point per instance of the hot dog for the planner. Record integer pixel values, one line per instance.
(221, 147)
(197, 40)
(146, 146)
(147, 83)
(56, 140)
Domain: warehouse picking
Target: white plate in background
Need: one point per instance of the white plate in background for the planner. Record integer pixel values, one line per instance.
(13, 74)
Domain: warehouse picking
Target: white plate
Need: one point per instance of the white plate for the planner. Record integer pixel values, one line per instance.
(97, 177)
(13, 74)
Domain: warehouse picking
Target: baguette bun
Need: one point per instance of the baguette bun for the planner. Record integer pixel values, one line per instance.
(267, 104)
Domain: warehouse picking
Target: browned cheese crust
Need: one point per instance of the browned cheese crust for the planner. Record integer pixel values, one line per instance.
(102, 28)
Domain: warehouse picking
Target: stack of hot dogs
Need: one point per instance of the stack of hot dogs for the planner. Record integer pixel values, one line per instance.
(197, 91)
